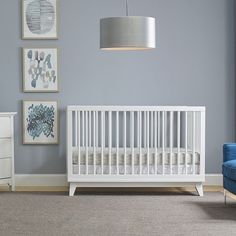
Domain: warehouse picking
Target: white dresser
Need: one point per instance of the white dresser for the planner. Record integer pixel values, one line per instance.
(7, 169)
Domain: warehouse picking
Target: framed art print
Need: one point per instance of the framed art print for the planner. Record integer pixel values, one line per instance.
(39, 19)
(40, 122)
(40, 69)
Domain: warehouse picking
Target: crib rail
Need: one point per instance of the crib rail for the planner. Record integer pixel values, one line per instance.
(153, 136)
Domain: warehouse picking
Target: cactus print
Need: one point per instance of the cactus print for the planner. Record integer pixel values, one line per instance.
(40, 68)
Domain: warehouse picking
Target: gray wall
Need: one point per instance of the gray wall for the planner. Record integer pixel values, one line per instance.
(192, 65)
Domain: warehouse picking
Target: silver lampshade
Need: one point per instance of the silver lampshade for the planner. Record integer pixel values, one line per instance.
(127, 33)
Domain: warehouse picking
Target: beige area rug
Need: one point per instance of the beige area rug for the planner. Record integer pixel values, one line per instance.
(40, 213)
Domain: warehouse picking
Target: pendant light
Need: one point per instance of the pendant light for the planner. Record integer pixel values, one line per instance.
(127, 32)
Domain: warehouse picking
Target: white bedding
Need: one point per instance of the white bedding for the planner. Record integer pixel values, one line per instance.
(121, 169)
(178, 161)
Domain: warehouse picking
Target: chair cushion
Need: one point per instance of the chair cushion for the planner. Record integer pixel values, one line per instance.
(229, 169)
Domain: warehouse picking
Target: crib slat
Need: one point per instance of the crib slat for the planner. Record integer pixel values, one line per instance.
(76, 128)
(117, 142)
(193, 159)
(140, 142)
(86, 140)
(110, 139)
(96, 115)
(186, 140)
(130, 129)
(166, 128)
(89, 125)
(171, 141)
(132, 139)
(125, 142)
(138, 128)
(163, 142)
(83, 128)
(178, 140)
(155, 140)
(145, 130)
(78, 135)
(159, 128)
(102, 139)
(151, 113)
(94, 141)
(76, 132)
(148, 144)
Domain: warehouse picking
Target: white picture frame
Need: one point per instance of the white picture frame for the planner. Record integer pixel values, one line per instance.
(40, 69)
(40, 122)
(39, 19)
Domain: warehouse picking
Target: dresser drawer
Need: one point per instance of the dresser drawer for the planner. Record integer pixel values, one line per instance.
(5, 127)
(5, 168)
(5, 148)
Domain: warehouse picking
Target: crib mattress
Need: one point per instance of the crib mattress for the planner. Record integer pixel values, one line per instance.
(181, 169)
(155, 157)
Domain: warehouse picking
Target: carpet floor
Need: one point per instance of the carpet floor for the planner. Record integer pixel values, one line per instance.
(24, 213)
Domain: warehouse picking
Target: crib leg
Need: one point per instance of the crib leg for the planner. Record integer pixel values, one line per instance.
(72, 189)
(199, 189)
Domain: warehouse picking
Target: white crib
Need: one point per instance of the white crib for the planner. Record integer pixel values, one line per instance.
(135, 146)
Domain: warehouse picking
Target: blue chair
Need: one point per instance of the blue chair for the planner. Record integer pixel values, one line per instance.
(229, 168)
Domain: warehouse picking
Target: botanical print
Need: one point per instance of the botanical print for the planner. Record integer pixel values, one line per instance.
(40, 122)
(40, 70)
(39, 19)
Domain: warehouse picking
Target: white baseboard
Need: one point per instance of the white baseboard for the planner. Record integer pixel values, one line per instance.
(45, 180)
(60, 180)
(214, 179)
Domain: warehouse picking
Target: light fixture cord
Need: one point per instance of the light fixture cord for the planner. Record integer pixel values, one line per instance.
(127, 8)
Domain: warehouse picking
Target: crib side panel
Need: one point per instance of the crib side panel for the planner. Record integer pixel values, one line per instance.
(135, 140)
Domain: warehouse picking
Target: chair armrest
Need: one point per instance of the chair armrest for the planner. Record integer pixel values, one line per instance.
(229, 151)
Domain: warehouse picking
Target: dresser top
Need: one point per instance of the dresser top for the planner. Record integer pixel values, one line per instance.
(7, 114)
